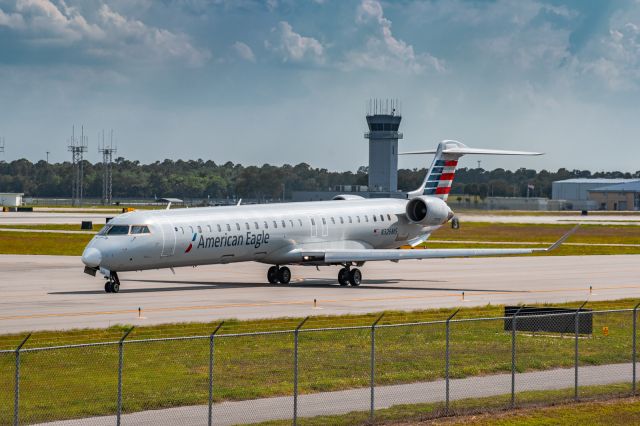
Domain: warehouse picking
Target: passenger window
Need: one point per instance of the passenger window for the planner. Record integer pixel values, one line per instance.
(300, 220)
(219, 228)
(350, 220)
(324, 222)
(228, 227)
(333, 221)
(388, 216)
(313, 222)
(381, 218)
(246, 225)
(275, 224)
(341, 220)
(283, 224)
(256, 225)
(237, 226)
(182, 229)
(176, 229)
(374, 217)
(366, 218)
(358, 217)
(209, 226)
(266, 225)
(191, 229)
(291, 222)
(199, 229)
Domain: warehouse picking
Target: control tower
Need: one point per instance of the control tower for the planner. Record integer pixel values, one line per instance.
(383, 119)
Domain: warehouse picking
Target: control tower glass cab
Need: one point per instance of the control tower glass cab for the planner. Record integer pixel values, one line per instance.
(383, 120)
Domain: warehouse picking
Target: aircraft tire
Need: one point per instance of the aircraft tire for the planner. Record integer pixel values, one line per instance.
(115, 287)
(272, 275)
(107, 287)
(343, 276)
(355, 277)
(284, 275)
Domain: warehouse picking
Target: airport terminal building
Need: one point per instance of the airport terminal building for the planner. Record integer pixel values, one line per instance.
(597, 194)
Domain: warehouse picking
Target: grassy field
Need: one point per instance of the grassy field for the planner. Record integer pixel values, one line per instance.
(43, 243)
(78, 382)
(518, 234)
(51, 227)
(493, 411)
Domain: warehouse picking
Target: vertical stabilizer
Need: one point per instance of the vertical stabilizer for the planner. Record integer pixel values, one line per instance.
(439, 178)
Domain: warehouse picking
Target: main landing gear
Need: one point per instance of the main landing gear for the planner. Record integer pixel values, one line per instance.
(277, 275)
(113, 283)
(348, 276)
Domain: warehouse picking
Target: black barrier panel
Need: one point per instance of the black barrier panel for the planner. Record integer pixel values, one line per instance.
(24, 209)
(548, 319)
(86, 224)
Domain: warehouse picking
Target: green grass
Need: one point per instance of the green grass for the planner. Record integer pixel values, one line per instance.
(52, 227)
(518, 234)
(43, 243)
(71, 383)
(618, 412)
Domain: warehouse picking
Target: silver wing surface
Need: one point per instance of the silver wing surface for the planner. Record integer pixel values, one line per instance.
(335, 256)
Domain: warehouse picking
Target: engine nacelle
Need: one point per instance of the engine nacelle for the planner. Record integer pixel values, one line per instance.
(428, 211)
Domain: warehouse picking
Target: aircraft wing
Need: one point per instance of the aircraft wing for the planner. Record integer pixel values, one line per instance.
(368, 255)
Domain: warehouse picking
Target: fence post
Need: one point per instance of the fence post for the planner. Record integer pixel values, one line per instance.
(633, 339)
(16, 390)
(373, 365)
(575, 388)
(211, 347)
(295, 370)
(120, 365)
(446, 362)
(513, 357)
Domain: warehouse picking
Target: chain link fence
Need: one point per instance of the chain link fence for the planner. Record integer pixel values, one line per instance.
(378, 371)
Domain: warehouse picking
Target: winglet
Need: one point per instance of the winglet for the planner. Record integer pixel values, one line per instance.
(562, 239)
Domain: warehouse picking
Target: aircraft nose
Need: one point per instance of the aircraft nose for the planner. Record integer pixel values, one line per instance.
(92, 257)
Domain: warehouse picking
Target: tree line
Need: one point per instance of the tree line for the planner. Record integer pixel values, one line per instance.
(203, 179)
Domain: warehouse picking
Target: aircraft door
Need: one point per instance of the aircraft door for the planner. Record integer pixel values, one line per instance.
(168, 238)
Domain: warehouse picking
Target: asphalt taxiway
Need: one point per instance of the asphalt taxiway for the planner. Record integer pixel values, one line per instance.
(52, 292)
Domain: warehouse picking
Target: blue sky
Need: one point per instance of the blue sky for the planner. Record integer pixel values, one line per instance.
(283, 81)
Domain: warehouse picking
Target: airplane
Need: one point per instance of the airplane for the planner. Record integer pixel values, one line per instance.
(347, 231)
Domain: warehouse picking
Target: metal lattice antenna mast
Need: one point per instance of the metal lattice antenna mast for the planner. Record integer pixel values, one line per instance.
(77, 148)
(2, 145)
(107, 169)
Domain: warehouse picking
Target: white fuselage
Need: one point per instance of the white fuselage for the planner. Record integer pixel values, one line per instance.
(269, 233)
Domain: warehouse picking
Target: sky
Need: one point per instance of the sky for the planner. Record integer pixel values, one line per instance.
(284, 81)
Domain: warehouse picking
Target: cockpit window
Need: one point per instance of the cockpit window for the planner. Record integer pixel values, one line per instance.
(140, 229)
(118, 230)
(104, 230)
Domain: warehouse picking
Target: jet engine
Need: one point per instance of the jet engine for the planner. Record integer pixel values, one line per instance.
(428, 211)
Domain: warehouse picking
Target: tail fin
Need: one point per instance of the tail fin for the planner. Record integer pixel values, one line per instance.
(440, 175)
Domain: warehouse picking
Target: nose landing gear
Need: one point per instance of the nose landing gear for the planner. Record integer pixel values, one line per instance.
(113, 283)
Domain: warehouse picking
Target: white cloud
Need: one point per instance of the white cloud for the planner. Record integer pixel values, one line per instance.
(383, 51)
(295, 47)
(11, 20)
(135, 37)
(52, 24)
(111, 34)
(244, 51)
